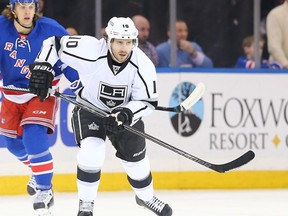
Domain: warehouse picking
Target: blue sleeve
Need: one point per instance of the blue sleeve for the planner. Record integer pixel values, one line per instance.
(265, 63)
(70, 73)
(241, 62)
(164, 56)
(207, 62)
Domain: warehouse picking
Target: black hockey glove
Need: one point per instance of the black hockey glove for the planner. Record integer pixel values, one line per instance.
(119, 117)
(42, 75)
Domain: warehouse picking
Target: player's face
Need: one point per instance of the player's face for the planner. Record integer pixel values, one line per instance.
(25, 13)
(121, 49)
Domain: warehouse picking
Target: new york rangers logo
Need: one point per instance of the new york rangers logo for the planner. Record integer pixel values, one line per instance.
(111, 95)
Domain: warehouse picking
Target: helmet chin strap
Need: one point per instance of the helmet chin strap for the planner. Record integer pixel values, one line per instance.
(26, 27)
(17, 20)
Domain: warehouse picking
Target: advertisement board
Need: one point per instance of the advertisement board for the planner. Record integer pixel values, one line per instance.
(239, 111)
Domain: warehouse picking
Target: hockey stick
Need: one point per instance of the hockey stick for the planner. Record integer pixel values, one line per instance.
(221, 168)
(188, 102)
(196, 94)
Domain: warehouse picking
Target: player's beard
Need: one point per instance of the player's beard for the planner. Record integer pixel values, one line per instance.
(122, 59)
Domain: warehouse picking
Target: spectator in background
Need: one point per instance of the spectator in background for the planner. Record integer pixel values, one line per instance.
(102, 32)
(41, 7)
(277, 34)
(247, 60)
(143, 26)
(72, 31)
(266, 7)
(189, 54)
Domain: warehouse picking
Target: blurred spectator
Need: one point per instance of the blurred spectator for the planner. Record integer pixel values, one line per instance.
(277, 34)
(247, 60)
(41, 7)
(102, 32)
(72, 31)
(266, 7)
(143, 26)
(189, 54)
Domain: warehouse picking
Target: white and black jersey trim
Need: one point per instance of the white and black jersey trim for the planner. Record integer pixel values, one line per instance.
(90, 60)
(145, 84)
(111, 62)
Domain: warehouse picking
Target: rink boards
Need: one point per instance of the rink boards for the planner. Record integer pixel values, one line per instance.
(241, 110)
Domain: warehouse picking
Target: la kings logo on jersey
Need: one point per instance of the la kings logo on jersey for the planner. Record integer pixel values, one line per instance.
(111, 95)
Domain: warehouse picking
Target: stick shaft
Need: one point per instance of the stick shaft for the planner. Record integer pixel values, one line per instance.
(102, 114)
(243, 159)
(177, 109)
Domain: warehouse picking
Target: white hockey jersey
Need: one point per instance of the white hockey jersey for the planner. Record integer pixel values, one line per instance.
(107, 86)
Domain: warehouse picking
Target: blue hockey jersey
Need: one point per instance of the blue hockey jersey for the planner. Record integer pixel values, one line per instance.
(244, 62)
(18, 51)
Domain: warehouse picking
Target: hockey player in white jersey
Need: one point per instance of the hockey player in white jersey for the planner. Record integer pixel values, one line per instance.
(121, 80)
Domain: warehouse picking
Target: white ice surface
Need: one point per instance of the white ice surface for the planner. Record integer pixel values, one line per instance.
(184, 203)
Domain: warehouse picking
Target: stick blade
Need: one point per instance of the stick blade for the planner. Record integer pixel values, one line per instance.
(240, 161)
(194, 96)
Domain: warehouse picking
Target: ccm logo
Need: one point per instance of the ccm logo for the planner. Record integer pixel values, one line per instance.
(39, 112)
